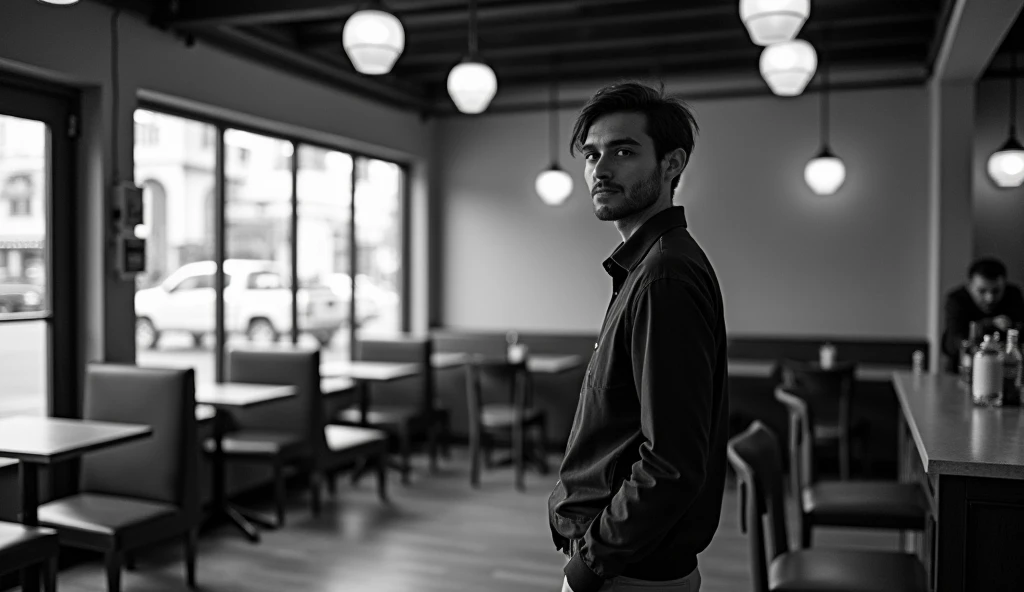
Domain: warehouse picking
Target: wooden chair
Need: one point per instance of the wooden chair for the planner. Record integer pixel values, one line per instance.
(23, 547)
(141, 493)
(756, 458)
(855, 503)
(406, 409)
(829, 393)
(511, 417)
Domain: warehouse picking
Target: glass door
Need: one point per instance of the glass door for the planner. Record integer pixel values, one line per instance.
(37, 290)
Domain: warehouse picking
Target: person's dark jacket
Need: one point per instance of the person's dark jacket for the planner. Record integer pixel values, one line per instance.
(642, 479)
(961, 311)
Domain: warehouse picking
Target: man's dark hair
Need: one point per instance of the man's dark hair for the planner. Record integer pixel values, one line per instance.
(670, 122)
(988, 268)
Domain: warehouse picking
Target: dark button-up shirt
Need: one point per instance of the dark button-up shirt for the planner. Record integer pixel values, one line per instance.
(640, 487)
(961, 311)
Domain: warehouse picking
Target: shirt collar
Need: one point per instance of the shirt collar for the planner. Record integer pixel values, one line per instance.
(629, 254)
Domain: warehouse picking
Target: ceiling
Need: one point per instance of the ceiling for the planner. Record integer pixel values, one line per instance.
(528, 42)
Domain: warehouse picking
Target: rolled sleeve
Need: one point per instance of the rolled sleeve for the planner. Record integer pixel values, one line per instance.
(674, 351)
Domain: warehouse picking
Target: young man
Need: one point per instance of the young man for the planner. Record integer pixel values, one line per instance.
(986, 299)
(640, 488)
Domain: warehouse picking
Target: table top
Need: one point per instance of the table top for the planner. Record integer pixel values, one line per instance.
(240, 394)
(758, 369)
(369, 371)
(955, 437)
(552, 363)
(46, 440)
(537, 363)
(442, 360)
(339, 384)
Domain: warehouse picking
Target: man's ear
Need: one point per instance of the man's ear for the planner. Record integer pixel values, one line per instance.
(674, 162)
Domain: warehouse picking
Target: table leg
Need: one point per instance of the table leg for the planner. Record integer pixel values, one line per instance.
(221, 506)
(28, 477)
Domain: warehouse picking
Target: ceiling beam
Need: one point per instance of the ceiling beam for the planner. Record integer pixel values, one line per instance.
(209, 13)
(404, 94)
(678, 60)
(972, 36)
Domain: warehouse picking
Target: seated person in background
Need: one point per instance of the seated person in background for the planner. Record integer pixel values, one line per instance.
(986, 298)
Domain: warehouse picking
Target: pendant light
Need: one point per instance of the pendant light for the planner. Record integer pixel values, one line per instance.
(472, 84)
(787, 67)
(373, 40)
(58, 2)
(825, 173)
(553, 185)
(1006, 166)
(773, 21)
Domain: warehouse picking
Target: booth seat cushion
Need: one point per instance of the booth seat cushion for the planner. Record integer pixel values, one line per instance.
(864, 571)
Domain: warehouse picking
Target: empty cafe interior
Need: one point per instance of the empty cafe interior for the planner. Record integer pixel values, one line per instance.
(308, 295)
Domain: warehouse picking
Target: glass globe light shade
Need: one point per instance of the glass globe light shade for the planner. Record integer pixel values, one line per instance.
(1006, 165)
(373, 40)
(58, 2)
(471, 86)
(787, 67)
(825, 173)
(553, 186)
(773, 21)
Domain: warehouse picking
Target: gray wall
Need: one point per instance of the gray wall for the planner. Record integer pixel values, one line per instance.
(998, 212)
(791, 263)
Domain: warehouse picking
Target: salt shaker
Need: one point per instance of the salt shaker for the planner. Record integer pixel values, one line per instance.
(827, 356)
(918, 362)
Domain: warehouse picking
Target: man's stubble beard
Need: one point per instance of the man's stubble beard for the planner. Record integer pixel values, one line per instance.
(638, 197)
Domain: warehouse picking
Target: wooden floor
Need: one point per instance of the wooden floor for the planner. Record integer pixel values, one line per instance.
(438, 534)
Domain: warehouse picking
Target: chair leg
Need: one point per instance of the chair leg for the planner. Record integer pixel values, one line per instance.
(280, 493)
(446, 435)
(433, 436)
(474, 458)
(191, 548)
(332, 483)
(50, 575)
(519, 454)
(805, 533)
(113, 562)
(382, 477)
(129, 561)
(405, 446)
(844, 457)
(315, 478)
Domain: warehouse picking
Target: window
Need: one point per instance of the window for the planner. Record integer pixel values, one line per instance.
(37, 368)
(175, 319)
(265, 227)
(379, 192)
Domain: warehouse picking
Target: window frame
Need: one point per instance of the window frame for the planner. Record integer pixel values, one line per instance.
(221, 125)
(55, 106)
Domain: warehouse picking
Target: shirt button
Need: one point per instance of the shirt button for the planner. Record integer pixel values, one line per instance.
(595, 345)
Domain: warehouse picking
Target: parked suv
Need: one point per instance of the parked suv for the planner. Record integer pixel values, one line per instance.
(257, 302)
(20, 295)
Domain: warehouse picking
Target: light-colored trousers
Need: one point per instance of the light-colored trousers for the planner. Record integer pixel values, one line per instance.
(691, 583)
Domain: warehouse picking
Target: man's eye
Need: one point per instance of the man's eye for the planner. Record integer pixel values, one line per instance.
(590, 156)
(624, 152)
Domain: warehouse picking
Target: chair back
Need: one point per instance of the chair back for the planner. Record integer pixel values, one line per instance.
(801, 441)
(413, 391)
(827, 391)
(755, 456)
(162, 467)
(302, 414)
(495, 380)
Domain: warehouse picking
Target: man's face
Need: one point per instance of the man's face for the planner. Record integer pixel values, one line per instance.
(622, 171)
(986, 292)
